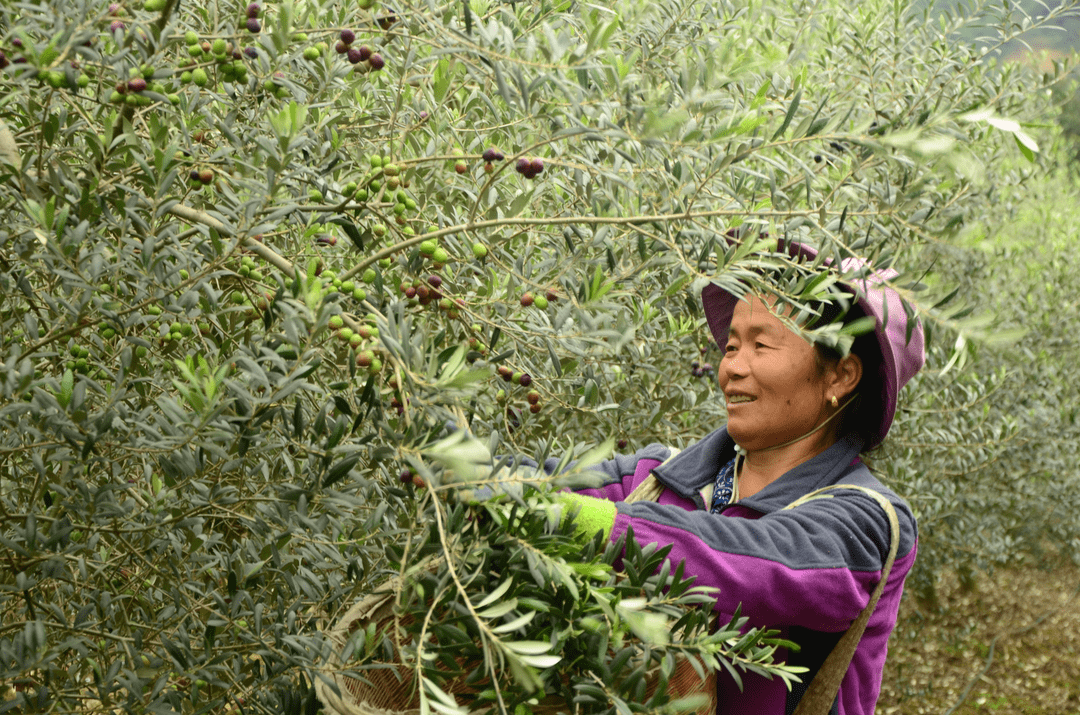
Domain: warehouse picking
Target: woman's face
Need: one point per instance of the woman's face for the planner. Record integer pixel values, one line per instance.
(774, 389)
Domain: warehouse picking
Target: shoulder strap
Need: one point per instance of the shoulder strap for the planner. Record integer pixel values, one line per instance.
(650, 487)
(821, 694)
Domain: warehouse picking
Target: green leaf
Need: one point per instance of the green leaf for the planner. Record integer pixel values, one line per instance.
(792, 108)
(461, 453)
(541, 661)
(500, 610)
(516, 624)
(67, 386)
(527, 647)
(498, 593)
(340, 470)
(440, 83)
(1027, 145)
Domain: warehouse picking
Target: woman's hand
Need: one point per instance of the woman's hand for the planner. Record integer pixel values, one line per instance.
(591, 514)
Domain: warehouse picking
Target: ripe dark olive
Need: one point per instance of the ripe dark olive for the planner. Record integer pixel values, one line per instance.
(513, 418)
(386, 21)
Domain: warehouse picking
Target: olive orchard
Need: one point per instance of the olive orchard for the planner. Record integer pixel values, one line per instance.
(278, 280)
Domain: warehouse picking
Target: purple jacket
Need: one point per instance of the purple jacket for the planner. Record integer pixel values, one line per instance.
(808, 571)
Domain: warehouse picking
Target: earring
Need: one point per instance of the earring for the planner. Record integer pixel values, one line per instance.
(834, 402)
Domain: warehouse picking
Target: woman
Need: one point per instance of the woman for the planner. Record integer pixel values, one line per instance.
(799, 415)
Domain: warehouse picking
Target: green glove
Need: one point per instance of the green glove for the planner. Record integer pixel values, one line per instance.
(592, 514)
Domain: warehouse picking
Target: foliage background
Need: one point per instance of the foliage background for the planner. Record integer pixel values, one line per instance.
(195, 472)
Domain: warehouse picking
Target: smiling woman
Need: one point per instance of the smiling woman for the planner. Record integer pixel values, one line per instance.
(782, 400)
(799, 416)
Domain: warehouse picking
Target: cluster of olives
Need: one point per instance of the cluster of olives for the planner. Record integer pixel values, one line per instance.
(540, 301)
(524, 379)
(363, 56)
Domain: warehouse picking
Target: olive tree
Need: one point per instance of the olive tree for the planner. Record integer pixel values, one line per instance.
(281, 283)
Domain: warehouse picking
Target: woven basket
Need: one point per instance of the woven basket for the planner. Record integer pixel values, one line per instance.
(392, 691)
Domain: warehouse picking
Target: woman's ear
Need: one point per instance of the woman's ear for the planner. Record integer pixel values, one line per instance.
(846, 375)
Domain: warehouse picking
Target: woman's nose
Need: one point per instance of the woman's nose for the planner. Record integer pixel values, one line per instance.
(733, 363)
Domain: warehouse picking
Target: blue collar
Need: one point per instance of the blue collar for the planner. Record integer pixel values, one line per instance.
(724, 488)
